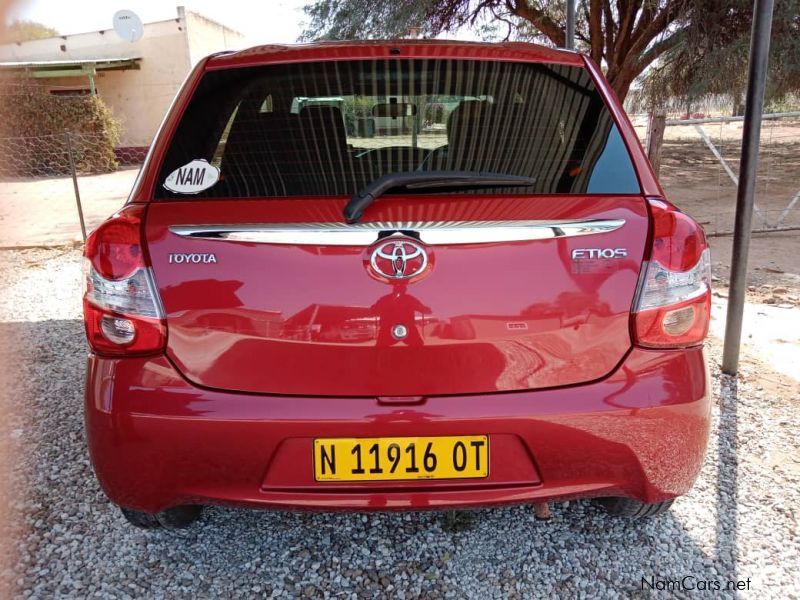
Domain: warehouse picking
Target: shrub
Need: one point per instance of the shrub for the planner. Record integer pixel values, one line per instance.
(354, 109)
(33, 131)
(435, 112)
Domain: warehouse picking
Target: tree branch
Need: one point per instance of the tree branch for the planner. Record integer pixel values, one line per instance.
(659, 24)
(644, 20)
(503, 19)
(595, 19)
(627, 10)
(658, 49)
(609, 31)
(539, 19)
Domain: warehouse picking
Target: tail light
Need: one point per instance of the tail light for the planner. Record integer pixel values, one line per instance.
(673, 304)
(121, 307)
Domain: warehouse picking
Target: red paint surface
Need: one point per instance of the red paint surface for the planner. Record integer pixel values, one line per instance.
(229, 413)
(311, 320)
(396, 49)
(157, 441)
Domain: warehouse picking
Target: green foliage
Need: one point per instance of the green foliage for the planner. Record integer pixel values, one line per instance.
(34, 124)
(23, 31)
(683, 48)
(355, 108)
(434, 113)
(454, 521)
(650, 26)
(365, 19)
(713, 59)
(784, 103)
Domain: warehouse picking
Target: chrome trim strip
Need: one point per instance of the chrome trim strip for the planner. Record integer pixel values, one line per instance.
(366, 234)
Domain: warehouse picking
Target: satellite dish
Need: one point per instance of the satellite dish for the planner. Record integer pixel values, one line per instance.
(128, 25)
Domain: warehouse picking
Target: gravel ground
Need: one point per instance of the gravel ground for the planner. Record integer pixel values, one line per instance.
(62, 538)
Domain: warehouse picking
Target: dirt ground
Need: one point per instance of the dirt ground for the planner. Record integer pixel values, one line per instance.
(772, 130)
(43, 212)
(694, 180)
(773, 269)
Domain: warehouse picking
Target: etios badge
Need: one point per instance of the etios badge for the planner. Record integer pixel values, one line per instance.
(592, 253)
(399, 259)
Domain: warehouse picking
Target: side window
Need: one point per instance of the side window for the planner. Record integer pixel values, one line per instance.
(609, 175)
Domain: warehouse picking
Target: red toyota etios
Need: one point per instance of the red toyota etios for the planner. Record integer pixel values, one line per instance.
(395, 275)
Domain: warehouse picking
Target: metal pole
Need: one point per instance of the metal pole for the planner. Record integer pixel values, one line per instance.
(75, 183)
(745, 192)
(569, 43)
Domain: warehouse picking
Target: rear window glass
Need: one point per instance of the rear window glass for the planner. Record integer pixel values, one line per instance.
(330, 128)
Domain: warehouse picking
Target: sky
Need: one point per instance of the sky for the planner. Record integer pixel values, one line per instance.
(262, 21)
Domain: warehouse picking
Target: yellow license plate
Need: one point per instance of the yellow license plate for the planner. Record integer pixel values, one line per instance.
(404, 458)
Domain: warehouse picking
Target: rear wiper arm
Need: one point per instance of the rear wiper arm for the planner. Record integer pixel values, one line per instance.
(427, 179)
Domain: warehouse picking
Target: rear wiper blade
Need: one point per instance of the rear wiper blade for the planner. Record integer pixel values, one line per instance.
(427, 179)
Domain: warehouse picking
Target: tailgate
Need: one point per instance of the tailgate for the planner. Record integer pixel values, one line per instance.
(280, 297)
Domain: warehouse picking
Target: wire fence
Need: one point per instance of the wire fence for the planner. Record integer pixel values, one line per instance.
(54, 187)
(62, 154)
(699, 166)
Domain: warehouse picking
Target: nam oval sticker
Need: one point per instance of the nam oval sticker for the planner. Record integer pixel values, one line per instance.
(192, 178)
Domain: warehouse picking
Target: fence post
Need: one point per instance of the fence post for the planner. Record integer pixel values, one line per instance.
(655, 138)
(75, 183)
(745, 192)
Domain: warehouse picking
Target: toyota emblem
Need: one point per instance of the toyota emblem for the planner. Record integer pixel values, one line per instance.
(398, 259)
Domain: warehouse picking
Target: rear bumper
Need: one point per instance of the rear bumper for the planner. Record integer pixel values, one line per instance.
(157, 441)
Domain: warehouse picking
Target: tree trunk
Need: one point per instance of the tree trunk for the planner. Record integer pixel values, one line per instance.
(620, 83)
(738, 105)
(627, 47)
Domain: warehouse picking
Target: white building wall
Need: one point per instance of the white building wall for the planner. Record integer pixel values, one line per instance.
(139, 98)
(206, 36)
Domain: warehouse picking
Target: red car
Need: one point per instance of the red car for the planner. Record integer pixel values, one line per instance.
(395, 275)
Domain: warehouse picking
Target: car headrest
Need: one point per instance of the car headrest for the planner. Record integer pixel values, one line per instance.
(466, 120)
(324, 123)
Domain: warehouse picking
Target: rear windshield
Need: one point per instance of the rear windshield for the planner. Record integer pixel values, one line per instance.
(330, 128)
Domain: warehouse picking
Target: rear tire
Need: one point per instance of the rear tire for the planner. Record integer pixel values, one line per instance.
(140, 519)
(178, 517)
(633, 509)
